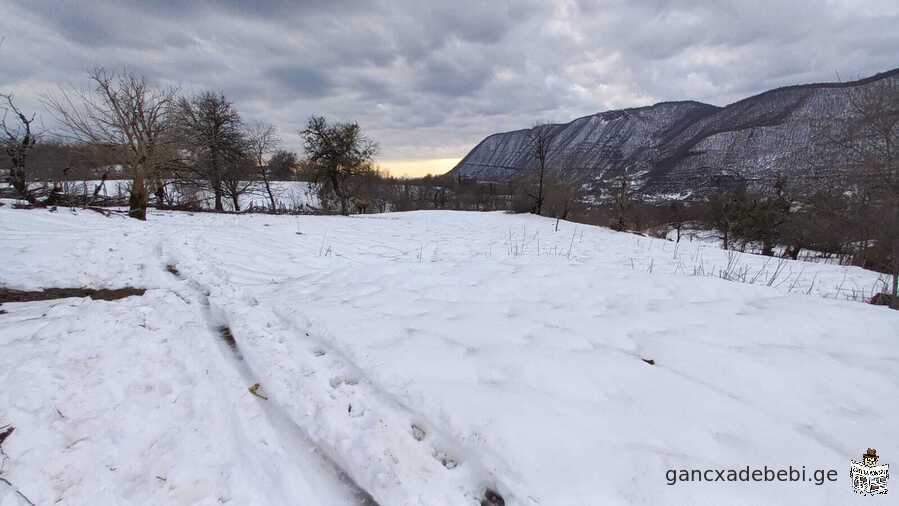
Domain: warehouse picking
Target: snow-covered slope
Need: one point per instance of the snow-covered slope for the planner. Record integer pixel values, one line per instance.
(587, 148)
(425, 357)
(681, 147)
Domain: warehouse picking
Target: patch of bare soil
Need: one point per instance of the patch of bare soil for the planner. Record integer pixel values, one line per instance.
(885, 299)
(7, 295)
(492, 498)
(228, 337)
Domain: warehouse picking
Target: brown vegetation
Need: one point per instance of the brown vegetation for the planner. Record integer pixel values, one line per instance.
(7, 295)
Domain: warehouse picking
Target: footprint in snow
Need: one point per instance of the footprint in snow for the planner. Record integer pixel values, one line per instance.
(338, 381)
(445, 459)
(355, 411)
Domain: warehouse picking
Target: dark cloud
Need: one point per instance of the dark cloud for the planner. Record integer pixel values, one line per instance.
(430, 79)
(305, 82)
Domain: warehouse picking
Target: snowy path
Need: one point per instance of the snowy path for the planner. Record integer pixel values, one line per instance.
(430, 356)
(112, 405)
(391, 452)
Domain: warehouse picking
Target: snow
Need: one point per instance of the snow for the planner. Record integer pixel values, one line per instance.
(113, 405)
(294, 195)
(423, 357)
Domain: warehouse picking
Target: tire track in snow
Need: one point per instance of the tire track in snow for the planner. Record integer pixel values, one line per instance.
(382, 448)
(288, 432)
(391, 452)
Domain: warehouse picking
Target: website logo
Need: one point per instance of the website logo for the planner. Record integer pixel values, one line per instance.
(868, 477)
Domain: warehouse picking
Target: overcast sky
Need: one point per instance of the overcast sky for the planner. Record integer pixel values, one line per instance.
(429, 79)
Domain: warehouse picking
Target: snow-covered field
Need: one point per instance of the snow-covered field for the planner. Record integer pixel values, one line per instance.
(424, 357)
(293, 195)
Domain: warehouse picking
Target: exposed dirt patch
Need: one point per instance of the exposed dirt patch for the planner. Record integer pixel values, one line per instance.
(884, 299)
(228, 337)
(7, 295)
(492, 498)
(173, 270)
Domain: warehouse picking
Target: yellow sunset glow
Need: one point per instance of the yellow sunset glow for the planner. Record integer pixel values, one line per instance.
(418, 168)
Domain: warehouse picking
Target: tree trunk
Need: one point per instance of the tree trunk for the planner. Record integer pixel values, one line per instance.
(895, 233)
(21, 185)
(218, 198)
(99, 186)
(271, 196)
(792, 252)
(539, 203)
(160, 195)
(235, 199)
(138, 200)
(895, 297)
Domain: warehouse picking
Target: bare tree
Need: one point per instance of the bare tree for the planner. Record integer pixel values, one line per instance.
(238, 178)
(726, 210)
(123, 111)
(562, 195)
(866, 147)
(282, 165)
(622, 201)
(873, 149)
(539, 140)
(212, 132)
(262, 141)
(340, 156)
(18, 140)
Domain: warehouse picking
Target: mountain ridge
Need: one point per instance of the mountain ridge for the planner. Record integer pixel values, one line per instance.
(675, 147)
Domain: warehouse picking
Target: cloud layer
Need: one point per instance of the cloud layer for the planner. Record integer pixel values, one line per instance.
(429, 79)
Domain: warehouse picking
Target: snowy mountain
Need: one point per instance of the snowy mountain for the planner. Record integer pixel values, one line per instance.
(677, 147)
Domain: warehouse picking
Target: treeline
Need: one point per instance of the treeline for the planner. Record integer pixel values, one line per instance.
(197, 152)
(176, 151)
(852, 221)
(849, 227)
